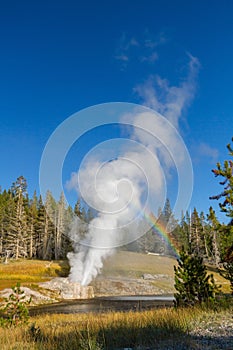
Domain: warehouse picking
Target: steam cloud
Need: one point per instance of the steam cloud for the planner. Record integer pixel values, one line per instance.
(122, 189)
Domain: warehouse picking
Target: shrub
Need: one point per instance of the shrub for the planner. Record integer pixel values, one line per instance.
(192, 283)
(227, 273)
(15, 311)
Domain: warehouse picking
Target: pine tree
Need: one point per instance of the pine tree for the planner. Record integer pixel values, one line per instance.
(80, 221)
(28, 228)
(168, 217)
(214, 230)
(197, 241)
(227, 273)
(5, 198)
(182, 234)
(79, 210)
(45, 233)
(20, 185)
(59, 226)
(225, 171)
(206, 237)
(185, 231)
(16, 239)
(167, 220)
(66, 242)
(192, 283)
(32, 224)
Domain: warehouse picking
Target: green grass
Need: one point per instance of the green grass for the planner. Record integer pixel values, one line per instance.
(135, 264)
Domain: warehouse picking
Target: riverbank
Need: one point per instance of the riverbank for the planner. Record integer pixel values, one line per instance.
(125, 273)
(162, 328)
(148, 330)
(105, 304)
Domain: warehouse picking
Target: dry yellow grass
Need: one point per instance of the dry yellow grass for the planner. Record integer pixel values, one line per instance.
(123, 263)
(129, 264)
(27, 272)
(104, 331)
(96, 331)
(158, 329)
(135, 264)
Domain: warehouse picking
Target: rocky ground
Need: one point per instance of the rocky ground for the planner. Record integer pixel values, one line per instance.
(213, 331)
(210, 331)
(52, 291)
(60, 288)
(146, 285)
(36, 297)
(67, 289)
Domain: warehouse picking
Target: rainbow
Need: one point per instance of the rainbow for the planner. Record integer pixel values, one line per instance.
(161, 230)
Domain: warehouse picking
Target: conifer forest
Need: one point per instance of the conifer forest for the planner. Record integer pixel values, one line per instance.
(31, 228)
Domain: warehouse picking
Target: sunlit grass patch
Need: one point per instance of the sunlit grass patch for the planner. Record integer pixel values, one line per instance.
(135, 264)
(157, 329)
(27, 271)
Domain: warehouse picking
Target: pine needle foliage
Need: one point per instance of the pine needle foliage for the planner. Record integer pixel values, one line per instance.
(227, 273)
(15, 311)
(192, 283)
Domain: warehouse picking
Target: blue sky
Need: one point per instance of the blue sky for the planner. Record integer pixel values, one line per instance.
(58, 57)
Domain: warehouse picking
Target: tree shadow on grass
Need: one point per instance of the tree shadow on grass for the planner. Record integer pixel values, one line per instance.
(116, 338)
(119, 340)
(64, 268)
(212, 268)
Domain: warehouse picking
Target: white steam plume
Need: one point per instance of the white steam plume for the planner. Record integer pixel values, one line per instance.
(115, 189)
(121, 189)
(170, 101)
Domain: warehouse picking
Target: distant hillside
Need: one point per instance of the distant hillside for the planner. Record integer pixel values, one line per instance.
(130, 264)
(136, 273)
(129, 273)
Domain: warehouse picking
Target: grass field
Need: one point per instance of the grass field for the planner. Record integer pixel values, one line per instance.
(135, 264)
(122, 264)
(157, 329)
(27, 272)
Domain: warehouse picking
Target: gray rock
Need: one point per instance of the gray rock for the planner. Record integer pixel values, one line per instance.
(68, 289)
(36, 297)
(148, 276)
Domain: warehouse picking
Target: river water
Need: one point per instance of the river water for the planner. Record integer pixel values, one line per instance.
(105, 304)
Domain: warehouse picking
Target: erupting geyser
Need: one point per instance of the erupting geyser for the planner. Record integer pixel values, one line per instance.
(120, 189)
(124, 188)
